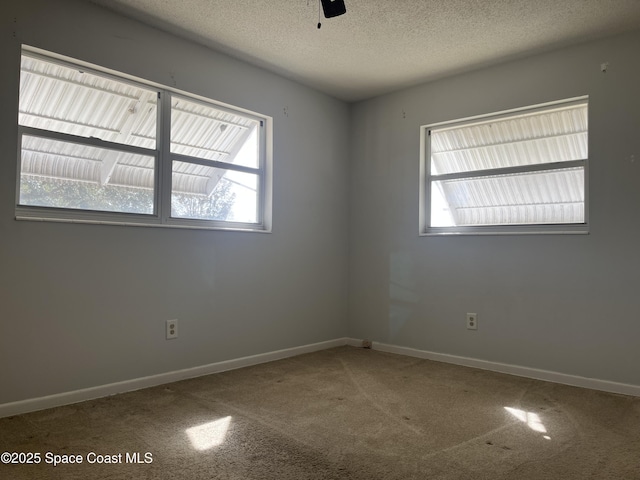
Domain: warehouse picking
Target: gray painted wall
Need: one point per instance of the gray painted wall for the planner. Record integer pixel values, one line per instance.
(566, 303)
(85, 305)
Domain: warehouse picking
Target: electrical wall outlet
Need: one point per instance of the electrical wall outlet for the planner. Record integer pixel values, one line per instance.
(172, 329)
(472, 321)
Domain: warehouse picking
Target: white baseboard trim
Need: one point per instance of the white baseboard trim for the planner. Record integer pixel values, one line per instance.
(66, 398)
(546, 375)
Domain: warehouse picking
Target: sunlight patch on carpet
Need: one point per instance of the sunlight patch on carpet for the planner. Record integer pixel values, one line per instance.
(209, 435)
(531, 419)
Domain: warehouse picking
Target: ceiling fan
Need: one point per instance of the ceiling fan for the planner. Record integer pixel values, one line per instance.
(332, 8)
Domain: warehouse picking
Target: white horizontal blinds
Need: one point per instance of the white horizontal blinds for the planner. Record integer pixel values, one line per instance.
(73, 101)
(205, 132)
(550, 197)
(522, 168)
(547, 136)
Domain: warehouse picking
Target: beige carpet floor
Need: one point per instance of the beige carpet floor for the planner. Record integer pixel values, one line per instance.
(344, 413)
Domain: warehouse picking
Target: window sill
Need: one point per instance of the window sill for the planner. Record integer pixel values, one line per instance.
(238, 228)
(534, 230)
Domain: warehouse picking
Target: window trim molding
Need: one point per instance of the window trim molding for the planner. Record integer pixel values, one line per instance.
(424, 217)
(161, 217)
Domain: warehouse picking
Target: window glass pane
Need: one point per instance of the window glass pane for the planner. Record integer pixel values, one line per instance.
(70, 100)
(553, 135)
(209, 193)
(211, 133)
(66, 108)
(69, 175)
(548, 197)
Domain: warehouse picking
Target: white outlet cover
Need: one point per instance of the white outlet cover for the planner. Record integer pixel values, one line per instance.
(472, 321)
(172, 329)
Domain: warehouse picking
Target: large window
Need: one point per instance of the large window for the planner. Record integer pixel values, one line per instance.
(522, 171)
(100, 147)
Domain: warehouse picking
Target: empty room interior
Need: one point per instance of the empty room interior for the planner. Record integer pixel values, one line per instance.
(280, 240)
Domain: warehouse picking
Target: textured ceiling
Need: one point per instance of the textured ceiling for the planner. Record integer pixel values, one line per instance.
(382, 45)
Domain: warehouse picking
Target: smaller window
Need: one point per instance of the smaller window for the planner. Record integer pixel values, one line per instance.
(522, 171)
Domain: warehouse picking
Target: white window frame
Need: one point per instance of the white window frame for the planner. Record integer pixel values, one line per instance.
(427, 178)
(161, 216)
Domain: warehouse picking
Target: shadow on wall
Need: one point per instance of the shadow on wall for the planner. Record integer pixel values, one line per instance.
(402, 294)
